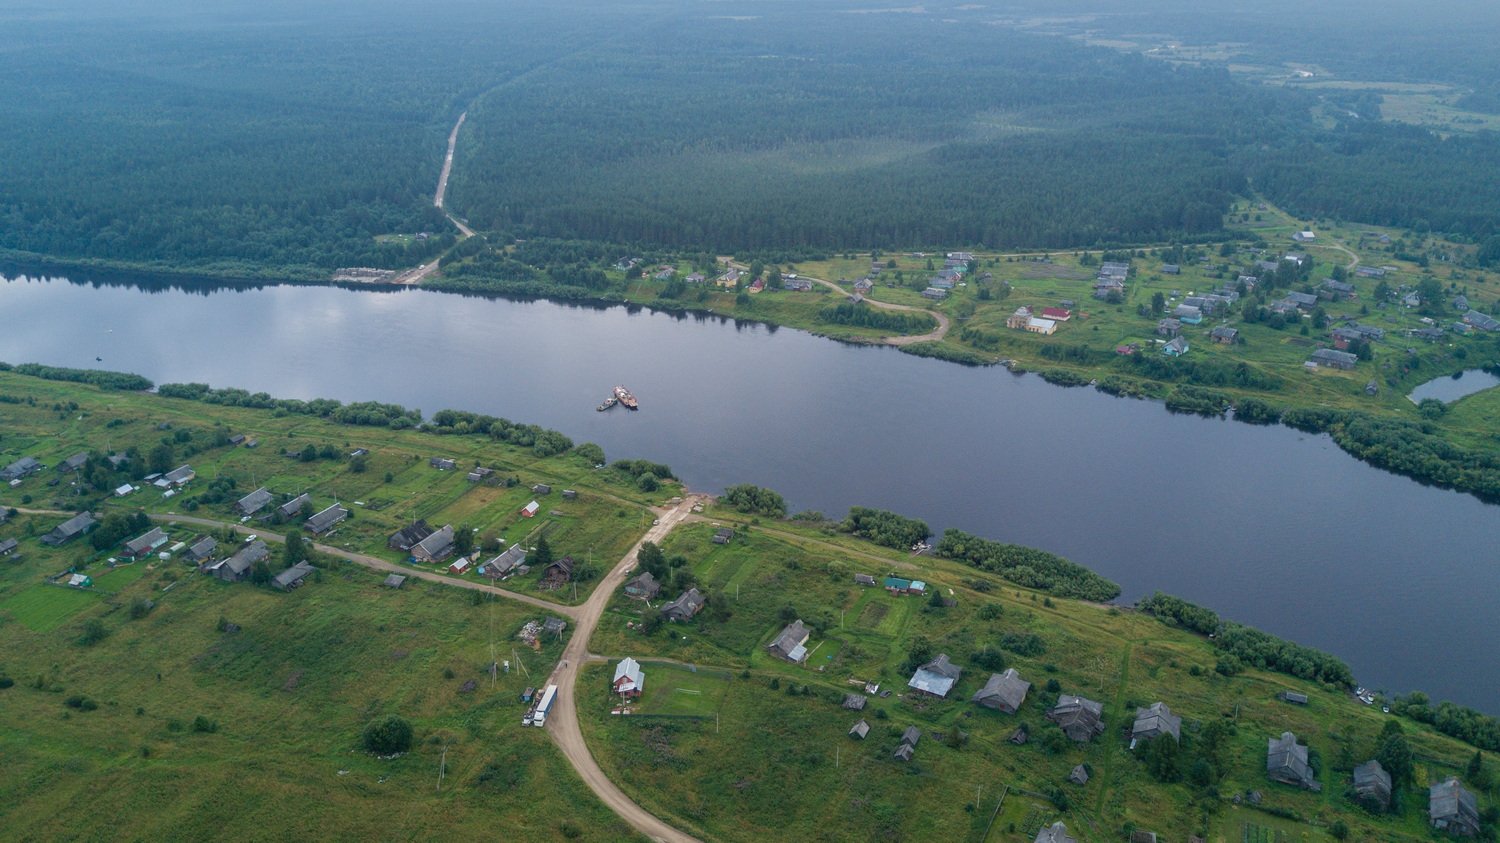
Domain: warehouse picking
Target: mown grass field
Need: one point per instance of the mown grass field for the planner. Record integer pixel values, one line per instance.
(777, 762)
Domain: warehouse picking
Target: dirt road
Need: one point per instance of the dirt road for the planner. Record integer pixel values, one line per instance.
(943, 322)
(562, 722)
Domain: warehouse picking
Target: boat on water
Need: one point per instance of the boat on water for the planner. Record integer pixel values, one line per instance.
(626, 398)
(608, 402)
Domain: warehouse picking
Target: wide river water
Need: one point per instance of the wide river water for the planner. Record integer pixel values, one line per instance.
(1268, 526)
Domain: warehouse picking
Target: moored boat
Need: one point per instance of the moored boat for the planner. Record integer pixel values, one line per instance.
(626, 397)
(608, 402)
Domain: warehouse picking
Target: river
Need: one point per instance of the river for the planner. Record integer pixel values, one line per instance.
(1266, 525)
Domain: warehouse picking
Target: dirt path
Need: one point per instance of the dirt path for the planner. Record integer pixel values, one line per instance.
(415, 276)
(931, 336)
(562, 722)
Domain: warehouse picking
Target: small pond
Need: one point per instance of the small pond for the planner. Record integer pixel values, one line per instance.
(1449, 388)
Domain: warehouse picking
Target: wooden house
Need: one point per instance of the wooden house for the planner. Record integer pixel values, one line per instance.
(291, 577)
(684, 607)
(1372, 786)
(790, 643)
(1080, 719)
(1286, 762)
(294, 506)
(326, 520)
(1155, 720)
(937, 677)
(253, 502)
(1003, 692)
(1452, 808)
(643, 587)
(143, 545)
(558, 573)
(69, 530)
(407, 537)
(629, 679)
(436, 547)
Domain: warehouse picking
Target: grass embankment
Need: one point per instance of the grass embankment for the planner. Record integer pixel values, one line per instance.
(764, 751)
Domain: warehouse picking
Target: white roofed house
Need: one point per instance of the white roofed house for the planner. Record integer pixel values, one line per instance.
(937, 677)
(629, 679)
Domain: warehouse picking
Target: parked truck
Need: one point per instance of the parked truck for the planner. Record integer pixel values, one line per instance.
(539, 717)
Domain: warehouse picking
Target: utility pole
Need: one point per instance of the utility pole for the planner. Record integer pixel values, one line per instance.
(442, 768)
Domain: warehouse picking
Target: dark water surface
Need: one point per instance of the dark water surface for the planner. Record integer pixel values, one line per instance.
(1268, 526)
(1449, 388)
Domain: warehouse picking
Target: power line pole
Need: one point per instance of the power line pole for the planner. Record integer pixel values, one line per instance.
(442, 768)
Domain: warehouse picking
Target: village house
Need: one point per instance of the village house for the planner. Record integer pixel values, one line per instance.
(1080, 719)
(1003, 692)
(864, 579)
(1460, 302)
(1154, 721)
(629, 679)
(569, 494)
(1225, 334)
(1292, 697)
(1171, 269)
(73, 463)
(326, 520)
(1452, 808)
(791, 643)
(1305, 236)
(530, 510)
(855, 702)
(1372, 785)
(253, 502)
(723, 535)
(442, 464)
(177, 477)
(20, 469)
(291, 577)
(1250, 281)
(541, 489)
(505, 564)
(643, 587)
(797, 285)
(1428, 334)
(696, 278)
(394, 581)
(143, 545)
(937, 677)
(558, 573)
(460, 565)
(1481, 321)
(478, 473)
(684, 607)
(859, 298)
(8, 546)
(904, 752)
(80, 581)
(1303, 301)
(118, 461)
(1176, 347)
(436, 547)
(294, 506)
(1332, 357)
(859, 730)
(201, 551)
(69, 530)
(1055, 833)
(407, 537)
(1169, 327)
(1266, 266)
(237, 567)
(1337, 289)
(1019, 319)
(1079, 775)
(1297, 258)
(1188, 314)
(863, 285)
(934, 293)
(1286, 762)
(1369, 272)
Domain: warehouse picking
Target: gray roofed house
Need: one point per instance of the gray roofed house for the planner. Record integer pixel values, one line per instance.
(237, 439)
(1336, 359)
(294, 506)
(864, 579)
(644, 587)
(789, 643)
(1372, 785)
(1452, 808)
(201, 550)
(69, 530)
(1080, 719)
(1171, 269)
(237, 567)
(1267, 266)
(478, 473)
(1175, 347)
(144, 544)
(1286, 761)
(685, 606)
(1475, 318)
(442, 464)
(1055, 833)
(407, 537)
(9, 546)
(326, 520)
(859, 730)
(1156, 720)
(1225, 334)
(19, 469)
(554, 625)
(394, 581)
(904, 752)
(723, 535)
(73, 463)
(1429, 334)
(1079, 775)
(291, 577)
(118, 460)
(855, 702)
(1460, 302)
(1304, 301)
(1292, 697)
(934, 293)
(1188, 313)
(436, 547)
(1339, 288)
(1169, 327)
(179, 476)
(1369, 332)
(541, 489)
(1004, 692)
(937, 677)
(911, 736)
(506, 563)
(253, 502)
(1370, 271)
(863, 285)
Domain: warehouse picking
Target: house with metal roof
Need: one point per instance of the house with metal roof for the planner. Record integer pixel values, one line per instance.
(685, 606)
(1452, 808)
(1154, 721)
(1480, 321)
(436, 547)
(69, 530)
(1080, 719)
(253, 502)
(937, 677)
(1372, 786)
(326, 520)
(291, 577)
(629, 679)
(1286, 762)
(1188, 313)
(1003, 692)
(791, 643)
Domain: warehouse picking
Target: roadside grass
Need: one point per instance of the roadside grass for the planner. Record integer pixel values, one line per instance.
(286, 696)
(720, 781)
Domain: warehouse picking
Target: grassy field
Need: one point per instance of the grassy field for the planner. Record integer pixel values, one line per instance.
(779, 738)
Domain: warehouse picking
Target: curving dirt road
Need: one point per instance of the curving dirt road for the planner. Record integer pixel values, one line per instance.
(562, 722)
(943, 322)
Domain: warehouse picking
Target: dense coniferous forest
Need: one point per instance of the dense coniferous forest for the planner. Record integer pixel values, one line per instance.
(281, 141)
